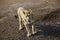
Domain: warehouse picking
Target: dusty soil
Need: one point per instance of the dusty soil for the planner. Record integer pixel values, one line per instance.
(49, 29)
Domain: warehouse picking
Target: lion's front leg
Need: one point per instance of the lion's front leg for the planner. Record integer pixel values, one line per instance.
(29, 32)
(20, 23)
(34, 31)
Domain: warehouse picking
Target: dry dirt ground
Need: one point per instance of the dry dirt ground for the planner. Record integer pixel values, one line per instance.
(48, 29)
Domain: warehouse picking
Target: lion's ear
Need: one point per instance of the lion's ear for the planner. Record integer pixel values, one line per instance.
(30, 10)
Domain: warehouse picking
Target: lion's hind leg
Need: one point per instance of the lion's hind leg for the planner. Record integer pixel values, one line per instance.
(20, 23)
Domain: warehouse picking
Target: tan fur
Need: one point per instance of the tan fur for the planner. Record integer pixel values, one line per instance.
(24, 18)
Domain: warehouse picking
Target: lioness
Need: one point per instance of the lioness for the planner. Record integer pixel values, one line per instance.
(25, 18)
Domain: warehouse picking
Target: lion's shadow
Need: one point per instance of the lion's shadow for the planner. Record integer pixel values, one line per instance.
(51, 29)
(48, 30)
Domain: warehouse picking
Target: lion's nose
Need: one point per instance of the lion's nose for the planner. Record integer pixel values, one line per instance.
(28, 14)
